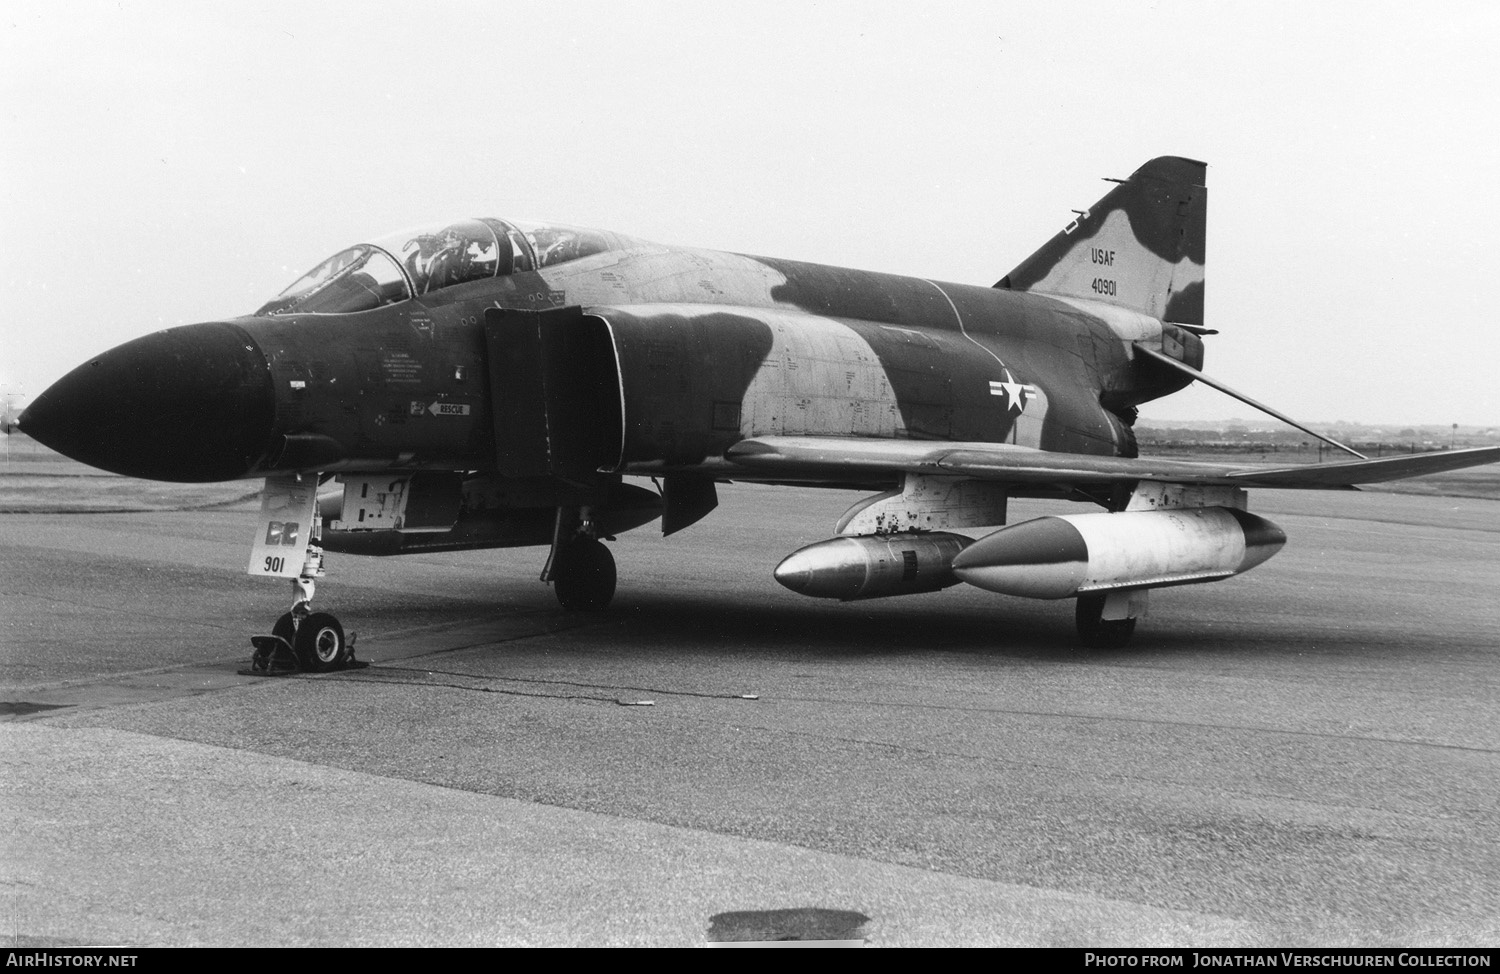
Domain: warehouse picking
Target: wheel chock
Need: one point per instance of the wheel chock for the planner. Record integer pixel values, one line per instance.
(274, 656)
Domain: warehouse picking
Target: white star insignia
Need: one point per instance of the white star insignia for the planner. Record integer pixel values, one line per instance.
(1017, 395)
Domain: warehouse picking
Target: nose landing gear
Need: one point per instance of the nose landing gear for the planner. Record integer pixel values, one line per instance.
(303, 640)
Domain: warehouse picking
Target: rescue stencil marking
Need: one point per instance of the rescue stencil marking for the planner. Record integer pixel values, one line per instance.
(439, 408)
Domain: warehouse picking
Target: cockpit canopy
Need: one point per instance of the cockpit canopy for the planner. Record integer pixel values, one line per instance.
(416, 262)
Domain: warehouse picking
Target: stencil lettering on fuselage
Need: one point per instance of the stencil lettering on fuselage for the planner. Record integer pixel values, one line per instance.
(820, 377)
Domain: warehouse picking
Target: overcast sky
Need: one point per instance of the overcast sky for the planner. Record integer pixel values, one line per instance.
(164, 163)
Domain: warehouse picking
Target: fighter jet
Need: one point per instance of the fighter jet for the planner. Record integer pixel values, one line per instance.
(489, 383)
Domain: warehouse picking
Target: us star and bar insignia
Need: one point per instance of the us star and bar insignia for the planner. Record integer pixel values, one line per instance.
(1017, 394)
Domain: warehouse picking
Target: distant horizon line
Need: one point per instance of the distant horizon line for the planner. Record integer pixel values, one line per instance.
(1267, 422)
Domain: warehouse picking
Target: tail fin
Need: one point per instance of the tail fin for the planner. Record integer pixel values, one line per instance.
(1141, 247)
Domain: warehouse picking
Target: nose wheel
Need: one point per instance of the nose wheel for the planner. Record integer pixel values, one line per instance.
(320, 645)
(303, 640)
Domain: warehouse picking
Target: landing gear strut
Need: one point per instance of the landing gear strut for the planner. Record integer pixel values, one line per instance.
(304, 640)
(580, 568)
(1106, 620)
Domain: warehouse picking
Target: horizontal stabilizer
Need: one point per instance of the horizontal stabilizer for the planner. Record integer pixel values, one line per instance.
(1215, 383)
(853, 458)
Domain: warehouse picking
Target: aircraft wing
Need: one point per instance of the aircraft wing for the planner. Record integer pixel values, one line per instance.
(852, 458)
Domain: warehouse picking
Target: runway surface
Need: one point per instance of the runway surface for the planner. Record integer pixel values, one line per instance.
(1309, 754)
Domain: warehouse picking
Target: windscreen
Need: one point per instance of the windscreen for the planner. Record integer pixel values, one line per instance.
(358, 279)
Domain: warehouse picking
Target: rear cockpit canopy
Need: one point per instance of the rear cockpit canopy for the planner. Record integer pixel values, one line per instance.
(416, 262)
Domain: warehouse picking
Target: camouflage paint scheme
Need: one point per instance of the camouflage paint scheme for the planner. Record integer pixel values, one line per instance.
(1156, 223)
(581, 355)
(501, 378)
(714, 348)
(699, 350)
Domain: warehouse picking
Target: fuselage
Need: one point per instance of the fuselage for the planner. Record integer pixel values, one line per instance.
(671, 356)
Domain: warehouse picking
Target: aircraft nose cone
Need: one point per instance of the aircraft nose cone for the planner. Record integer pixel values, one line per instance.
(191, 404)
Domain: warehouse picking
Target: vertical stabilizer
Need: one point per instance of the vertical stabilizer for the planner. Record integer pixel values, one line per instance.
(1140, 247)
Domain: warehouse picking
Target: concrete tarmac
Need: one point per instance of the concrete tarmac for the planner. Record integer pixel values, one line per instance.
(1309, 754)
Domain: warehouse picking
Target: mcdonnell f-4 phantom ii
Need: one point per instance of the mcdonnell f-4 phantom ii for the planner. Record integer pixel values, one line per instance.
(488, 383)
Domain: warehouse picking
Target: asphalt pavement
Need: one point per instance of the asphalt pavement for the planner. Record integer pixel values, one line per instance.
(1308, 754)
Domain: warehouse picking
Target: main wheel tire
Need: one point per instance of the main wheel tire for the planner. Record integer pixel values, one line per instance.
(583, 575)
(320, 643)
(1096, 632)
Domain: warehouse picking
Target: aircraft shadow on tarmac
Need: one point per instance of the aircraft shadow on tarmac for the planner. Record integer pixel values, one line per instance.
(665, 623)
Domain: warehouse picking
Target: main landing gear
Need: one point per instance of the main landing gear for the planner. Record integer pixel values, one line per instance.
(304, 640)
(1106, 620)
(580, 568)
